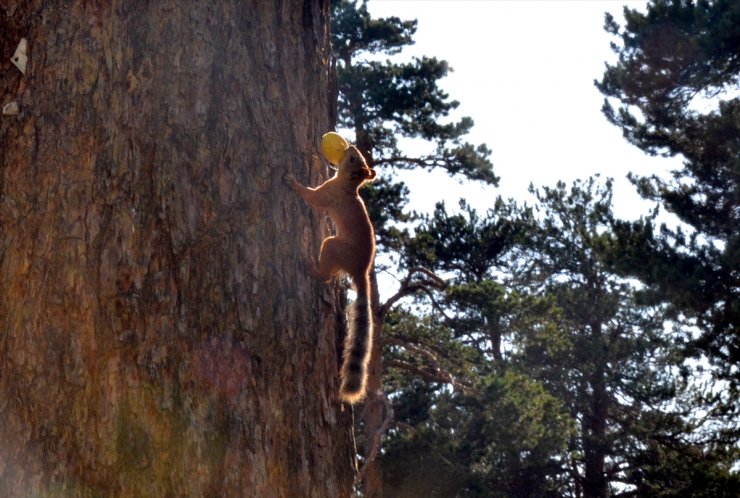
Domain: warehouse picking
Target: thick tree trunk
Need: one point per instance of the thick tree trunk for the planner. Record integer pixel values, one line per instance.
(158, 335)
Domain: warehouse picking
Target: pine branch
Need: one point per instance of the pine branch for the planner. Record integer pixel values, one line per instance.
(437, 371)
(432, 374)
(410, 286)
(430, 161)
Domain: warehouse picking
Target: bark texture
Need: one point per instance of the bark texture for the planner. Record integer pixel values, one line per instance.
(158, 334)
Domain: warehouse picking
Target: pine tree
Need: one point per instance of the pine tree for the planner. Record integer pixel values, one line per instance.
(675, 84)
(584, 397)
(497, 430)
(382, 101)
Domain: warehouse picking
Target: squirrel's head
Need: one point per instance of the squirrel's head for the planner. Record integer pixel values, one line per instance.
(354, 166)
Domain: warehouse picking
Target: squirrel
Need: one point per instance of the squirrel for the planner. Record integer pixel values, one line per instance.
(352, 251)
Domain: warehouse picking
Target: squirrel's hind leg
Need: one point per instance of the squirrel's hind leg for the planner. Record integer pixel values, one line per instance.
(329, 259)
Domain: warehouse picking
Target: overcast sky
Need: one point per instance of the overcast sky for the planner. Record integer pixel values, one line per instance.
(524, 71)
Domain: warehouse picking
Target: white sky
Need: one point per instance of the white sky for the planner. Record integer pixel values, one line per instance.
(524, 71)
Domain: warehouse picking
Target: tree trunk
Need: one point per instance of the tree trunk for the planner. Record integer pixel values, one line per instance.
(595, 484)
(374, 410)
(158, 334)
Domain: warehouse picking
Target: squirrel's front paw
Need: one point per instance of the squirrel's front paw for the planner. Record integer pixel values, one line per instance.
(289, 180)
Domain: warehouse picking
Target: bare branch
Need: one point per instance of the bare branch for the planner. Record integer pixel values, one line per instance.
(436, 375)
(433, 370)
(436, 305)
(439, 281)
(430, 161)
(378, 398)
(431, 347)
(411, 347)
(409, 286)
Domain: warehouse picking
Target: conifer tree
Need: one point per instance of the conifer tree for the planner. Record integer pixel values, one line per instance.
(382, 101)
(673, 92)
(584, 398)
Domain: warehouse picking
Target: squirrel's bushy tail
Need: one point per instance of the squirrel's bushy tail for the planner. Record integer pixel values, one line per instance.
(357, 344)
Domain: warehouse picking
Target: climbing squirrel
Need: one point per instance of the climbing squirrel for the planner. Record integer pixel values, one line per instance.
(351, 250)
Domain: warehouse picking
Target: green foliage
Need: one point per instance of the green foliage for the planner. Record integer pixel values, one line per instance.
(495, 443)
(464, 242)
(613, 356)
(424, 346)
(353, 31)
(525, 430)
(571, 383)
(385, 202)
(676, 81)
(677, 469)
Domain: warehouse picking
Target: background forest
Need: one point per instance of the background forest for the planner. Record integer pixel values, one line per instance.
(554, 349)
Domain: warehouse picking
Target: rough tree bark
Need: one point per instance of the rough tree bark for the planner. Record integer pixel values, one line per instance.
(158, 334)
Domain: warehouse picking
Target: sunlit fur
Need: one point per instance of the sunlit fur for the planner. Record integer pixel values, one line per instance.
(357, 345)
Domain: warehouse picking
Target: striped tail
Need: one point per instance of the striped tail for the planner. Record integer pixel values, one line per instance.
(357, 345)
